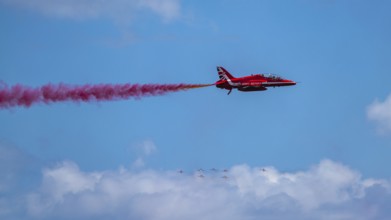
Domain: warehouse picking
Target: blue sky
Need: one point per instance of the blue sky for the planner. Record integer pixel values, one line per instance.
(337, 118)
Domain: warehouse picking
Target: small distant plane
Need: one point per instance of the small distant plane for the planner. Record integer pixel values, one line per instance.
(255, 82)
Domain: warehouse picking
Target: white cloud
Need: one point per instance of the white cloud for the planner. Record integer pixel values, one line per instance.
(138, 163)
(144, 149)
(119, 10)
(380, 113)
(168, 9)
(328, 190)
(148, 147)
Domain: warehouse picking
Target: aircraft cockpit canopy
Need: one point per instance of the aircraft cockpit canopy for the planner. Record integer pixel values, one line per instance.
(272, 76)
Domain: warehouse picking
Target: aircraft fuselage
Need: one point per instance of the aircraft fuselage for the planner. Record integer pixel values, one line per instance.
(255, 82)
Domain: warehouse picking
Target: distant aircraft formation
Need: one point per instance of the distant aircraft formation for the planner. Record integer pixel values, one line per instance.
(201, 173)
(213, 172)
(255, 82)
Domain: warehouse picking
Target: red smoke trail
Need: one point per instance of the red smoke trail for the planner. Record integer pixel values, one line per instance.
(19, 95)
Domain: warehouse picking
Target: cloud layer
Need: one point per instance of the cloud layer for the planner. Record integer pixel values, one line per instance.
(380, 113)
(328, 190)
(119, 10)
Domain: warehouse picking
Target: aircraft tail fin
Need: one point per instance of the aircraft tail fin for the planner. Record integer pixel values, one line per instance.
(224, 74)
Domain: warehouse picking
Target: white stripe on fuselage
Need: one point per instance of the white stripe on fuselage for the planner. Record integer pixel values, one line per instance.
(275, 83)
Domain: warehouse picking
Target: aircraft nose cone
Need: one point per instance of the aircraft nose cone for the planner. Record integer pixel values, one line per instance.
(291, 82)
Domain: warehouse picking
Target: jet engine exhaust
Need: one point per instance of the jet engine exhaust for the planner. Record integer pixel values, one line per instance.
(25, 96)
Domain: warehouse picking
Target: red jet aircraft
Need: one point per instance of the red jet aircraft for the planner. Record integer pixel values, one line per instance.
(255, 82)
